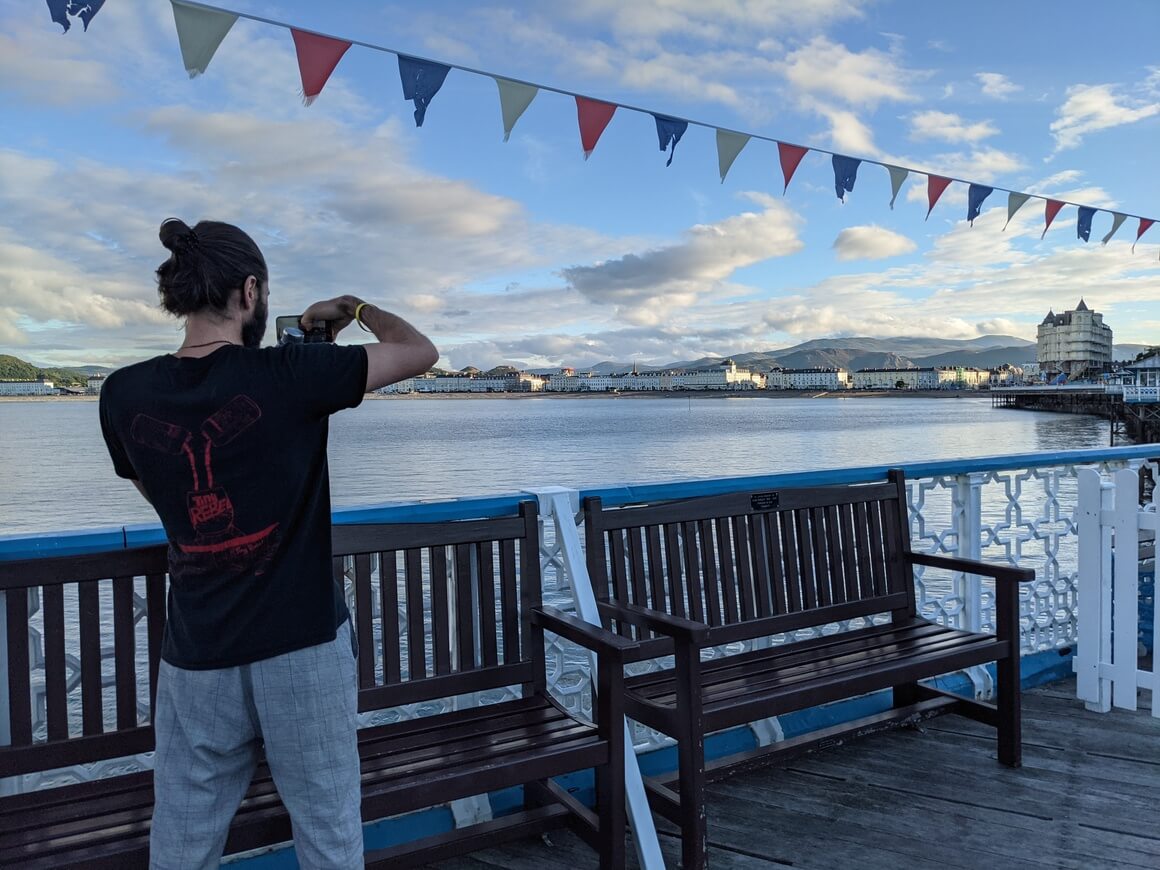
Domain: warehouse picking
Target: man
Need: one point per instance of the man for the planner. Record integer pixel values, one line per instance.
(227, 440)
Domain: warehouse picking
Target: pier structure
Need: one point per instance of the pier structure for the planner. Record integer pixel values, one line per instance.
(1095, 772)
(1134, 411)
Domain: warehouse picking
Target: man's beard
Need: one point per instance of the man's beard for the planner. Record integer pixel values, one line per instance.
(254, 329)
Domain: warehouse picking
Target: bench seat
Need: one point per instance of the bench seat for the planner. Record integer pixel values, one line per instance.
(766, 682)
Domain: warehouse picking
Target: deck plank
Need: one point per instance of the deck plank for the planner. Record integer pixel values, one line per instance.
(1086, 796)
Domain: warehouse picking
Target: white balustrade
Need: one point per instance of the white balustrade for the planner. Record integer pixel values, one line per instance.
(1107, 660)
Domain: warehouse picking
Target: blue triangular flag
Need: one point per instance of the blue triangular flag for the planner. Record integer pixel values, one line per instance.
(422, 80)
(976, 193)
(60, 10)
(670, 130)
(1083, 226)
(845, 173)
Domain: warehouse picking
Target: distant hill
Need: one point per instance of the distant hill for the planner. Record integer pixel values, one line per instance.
(15, 369)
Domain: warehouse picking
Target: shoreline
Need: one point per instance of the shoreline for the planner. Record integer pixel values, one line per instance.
(649, 394)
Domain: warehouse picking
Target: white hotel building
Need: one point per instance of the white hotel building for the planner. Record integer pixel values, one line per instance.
(39, 387)
(931, 378)
(726, 376)
(809, 379)
(1075, 343)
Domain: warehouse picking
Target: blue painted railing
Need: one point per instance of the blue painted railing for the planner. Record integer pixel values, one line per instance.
(67, 543)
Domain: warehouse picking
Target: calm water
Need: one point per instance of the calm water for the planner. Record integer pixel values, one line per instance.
(56, 474)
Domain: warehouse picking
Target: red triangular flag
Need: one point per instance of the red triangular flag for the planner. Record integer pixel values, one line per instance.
(935, 185)
(1049, 212)
(594, 117)
(317, 58)
(790, 156)
(1143, 228)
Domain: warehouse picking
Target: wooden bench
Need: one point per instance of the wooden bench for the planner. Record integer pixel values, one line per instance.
(469, 619)
(684, 576)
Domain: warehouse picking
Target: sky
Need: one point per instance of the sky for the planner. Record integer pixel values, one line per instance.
(523, 252)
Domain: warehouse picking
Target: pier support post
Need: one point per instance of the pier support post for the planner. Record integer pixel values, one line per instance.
(968, 512)
(560, 506)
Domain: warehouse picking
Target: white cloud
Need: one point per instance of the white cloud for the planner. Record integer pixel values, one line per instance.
(848, 134)
(646, 287)
(1090, 108)
(948, 127)
(863, 78)
(871, 243)
(997, 85)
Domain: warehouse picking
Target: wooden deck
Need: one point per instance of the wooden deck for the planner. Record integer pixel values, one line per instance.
(1087, 796)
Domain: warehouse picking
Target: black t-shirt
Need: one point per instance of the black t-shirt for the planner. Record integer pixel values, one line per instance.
(230, 448)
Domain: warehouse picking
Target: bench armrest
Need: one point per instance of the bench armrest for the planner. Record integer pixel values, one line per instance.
(970, 566)
(592, 637)
(685, 630)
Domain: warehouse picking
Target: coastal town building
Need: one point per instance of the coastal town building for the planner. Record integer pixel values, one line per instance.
(725, 376)
(809, 379)
(39, 387)
(930, 378)
(1075, 344)
(93, 384)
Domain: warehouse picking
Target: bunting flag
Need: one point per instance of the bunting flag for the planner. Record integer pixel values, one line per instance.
(201, 28)
(976, 193)
(1143, 228)
(514, 99)
(1117, 220)
(670, 131)
(60, 10)
(593, 116)
(897, 176)
(1083, 225)
(317, 58)
(1050, 210)
(422, 80)
(935, 185)
(789, 156)
(729, 145)
(199, 33)
(1015, 202)
(845, 174)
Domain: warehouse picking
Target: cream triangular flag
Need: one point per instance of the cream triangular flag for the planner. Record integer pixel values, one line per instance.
(1117, 220)
(199, 32)
(897, 176)
(514, 98)
(1015, 202)
(729, 145)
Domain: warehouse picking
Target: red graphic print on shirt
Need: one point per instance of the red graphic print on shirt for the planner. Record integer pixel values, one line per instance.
(217, 541)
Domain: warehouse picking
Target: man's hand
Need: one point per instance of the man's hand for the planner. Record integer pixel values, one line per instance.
(339, 312)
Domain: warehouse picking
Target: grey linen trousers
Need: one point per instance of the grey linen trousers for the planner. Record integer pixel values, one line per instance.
(211, 728)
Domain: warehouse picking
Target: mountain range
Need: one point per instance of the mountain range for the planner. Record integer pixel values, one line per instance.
(985, 352)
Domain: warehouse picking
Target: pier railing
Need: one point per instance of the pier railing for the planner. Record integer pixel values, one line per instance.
(1114, 615)
(1017, 510)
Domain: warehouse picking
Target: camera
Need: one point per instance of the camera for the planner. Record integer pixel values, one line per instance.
(289, 331)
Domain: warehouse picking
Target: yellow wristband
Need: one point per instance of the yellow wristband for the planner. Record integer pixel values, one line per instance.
(358, 311)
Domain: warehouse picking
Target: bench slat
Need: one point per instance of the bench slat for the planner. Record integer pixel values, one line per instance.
(55, 680)
(364, 620)
(488, 644)
(92, 704)
(389, 608)
(124, 653)
(512, 630)
(19, 688)
(440, 610)
(155, 627)
(416, 633)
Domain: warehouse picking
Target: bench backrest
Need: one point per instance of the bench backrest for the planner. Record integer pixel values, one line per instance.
(462, 593)
(756, 563)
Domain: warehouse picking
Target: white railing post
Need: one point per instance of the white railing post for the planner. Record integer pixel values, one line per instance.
(1093, 604)
(561, 505)
(1126, 587)
(968, 513)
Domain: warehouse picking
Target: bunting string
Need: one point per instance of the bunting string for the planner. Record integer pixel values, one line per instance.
(202, 27)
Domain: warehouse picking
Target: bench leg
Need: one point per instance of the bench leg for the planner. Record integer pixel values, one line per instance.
(905, 694)
(1010, 715)
(691, 760)
(610, 805)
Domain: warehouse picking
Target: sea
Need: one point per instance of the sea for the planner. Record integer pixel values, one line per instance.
(56, 474)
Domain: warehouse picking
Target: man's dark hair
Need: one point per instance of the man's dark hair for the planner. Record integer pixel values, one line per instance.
(206, 265)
